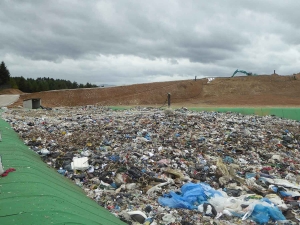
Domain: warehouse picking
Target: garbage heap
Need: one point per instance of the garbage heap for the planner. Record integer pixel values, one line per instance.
(155, 166)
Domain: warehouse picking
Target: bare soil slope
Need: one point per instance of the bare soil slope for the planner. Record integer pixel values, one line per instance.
(263, 90)
(10, 91)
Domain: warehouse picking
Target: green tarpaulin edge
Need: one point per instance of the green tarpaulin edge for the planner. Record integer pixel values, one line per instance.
(37, 194)
(288, 113)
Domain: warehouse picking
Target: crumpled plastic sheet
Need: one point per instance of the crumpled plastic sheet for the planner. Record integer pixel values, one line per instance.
(190, 195)
(263, 211)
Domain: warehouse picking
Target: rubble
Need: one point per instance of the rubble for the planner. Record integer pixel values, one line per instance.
(155, 166)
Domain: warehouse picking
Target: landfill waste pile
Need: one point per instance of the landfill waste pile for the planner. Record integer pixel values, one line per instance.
(155, 166)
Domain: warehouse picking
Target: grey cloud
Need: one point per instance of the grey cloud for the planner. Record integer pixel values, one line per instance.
(156, 72)
(49, 31)
(214, 36)
(173, 61)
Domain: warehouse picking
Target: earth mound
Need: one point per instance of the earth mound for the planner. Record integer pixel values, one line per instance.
(260, 90)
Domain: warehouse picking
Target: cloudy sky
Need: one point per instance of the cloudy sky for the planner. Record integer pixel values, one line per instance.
(133, 41)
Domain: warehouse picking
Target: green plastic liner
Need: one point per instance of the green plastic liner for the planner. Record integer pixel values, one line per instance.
(37, 194)
(288, 113)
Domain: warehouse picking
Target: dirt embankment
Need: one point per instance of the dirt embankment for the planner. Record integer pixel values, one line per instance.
(263, 90)
(10, 91)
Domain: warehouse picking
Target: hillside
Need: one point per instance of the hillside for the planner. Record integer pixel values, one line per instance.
(10, 92)
(263, 90)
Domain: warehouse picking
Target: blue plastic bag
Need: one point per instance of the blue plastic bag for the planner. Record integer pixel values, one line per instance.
(191, 196)
(264, 211)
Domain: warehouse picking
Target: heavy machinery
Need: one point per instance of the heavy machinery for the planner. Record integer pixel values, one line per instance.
(242, 71)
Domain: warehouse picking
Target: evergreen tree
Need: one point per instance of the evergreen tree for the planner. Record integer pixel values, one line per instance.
(74, 85)
(13, 83)
(30, 85)
(88, 85)
(4, 74)
(44, 86)
(21, 82)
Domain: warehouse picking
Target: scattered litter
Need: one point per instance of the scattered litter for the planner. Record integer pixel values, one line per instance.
(1, 166)
(6, 172)
(210, 79)
(154, 166)
(80, 163)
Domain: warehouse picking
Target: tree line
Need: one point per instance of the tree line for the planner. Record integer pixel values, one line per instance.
(30, 85)
(4, 74)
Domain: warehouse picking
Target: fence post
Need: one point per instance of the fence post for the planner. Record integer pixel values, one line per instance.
(169, 100)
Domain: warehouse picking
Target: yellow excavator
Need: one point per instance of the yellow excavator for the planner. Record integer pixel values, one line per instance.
(242, 71)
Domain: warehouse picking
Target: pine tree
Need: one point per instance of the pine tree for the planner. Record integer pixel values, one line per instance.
(4, 74)
(22, 84)
(13, 83)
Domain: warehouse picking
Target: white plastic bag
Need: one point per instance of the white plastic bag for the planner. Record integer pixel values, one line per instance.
(80, 163)
(1, 167)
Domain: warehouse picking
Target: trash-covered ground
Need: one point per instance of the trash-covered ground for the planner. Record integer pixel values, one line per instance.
(154, 166)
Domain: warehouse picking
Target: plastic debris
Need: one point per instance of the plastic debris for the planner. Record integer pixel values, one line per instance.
(6, 172)
(1, 166)
(80, 163)
(138, 216)
(155, 166)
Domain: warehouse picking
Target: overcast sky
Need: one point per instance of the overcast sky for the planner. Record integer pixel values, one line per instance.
(133, 41)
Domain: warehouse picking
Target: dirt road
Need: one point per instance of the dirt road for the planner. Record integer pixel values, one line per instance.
(6, 100)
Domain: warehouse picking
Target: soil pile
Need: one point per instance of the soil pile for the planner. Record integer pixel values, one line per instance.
(262, 90)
